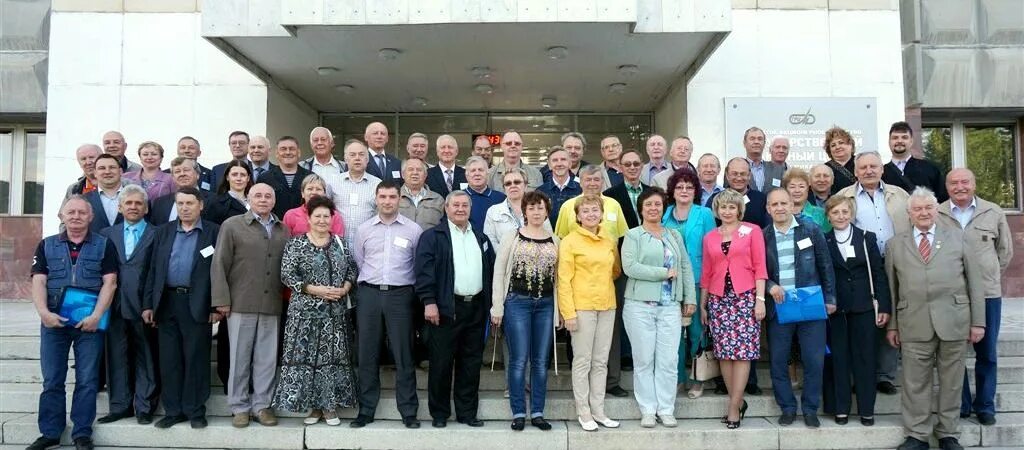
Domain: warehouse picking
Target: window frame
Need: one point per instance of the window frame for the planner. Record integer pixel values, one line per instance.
(958, 145)
(19, 156)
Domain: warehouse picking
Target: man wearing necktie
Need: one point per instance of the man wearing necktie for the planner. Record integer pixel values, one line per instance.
(382, 165)
(446, 176)
(938, 293)
(131, 366)
(259, 157)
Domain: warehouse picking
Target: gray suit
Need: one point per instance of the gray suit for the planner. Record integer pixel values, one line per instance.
(934, 305)
(772, 177)
(129, 341)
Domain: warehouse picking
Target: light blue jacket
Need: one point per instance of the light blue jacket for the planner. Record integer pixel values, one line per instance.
(699, 222)
(643, 262)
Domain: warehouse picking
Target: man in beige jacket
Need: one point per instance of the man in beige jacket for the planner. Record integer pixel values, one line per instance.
(939, 304)
(987, 237)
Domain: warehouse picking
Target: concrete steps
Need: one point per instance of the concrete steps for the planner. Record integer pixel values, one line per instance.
(756, 433)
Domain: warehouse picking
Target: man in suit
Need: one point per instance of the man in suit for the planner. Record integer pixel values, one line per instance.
(611, 151)
(512, 151)
(286, 178)
(185, 172)
(446, 176)
(560, 184)
(131, 362)
(86, 155)
(987, 236)
(625, 194)
(259, 157)
(104, 198)
(796, 256)
(115, 145)
(779, 151)
(881, 209)
(177, 302)
(238, 144)
(908, 172)
(188, 147)
(764, 175)
(323, 162)
(574, 144)
(938, 290)
(682, 149)
(381, 165)
(454, 266)
(708, 169)
(656, 162)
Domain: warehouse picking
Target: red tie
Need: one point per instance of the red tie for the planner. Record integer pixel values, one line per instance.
(925, 247)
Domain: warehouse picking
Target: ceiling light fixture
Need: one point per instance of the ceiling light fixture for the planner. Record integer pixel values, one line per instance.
(388, 54)
(617, 88)
(419, 101)
(557, 52)
(326, 70)
(481, 72)
(345, 88)
(628, 70)
(548, 102)
(484, 88)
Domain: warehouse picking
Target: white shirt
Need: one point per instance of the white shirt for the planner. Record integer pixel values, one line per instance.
(963, 215)
(918, 234)
(109, 204)
(872, 215)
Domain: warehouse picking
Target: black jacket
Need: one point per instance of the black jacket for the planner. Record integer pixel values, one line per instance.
(99, 215)
(220, 207)
(917, 172)
(132, 272)
(853, 291)
(394, 167)
(160, 208)
(286, 197)
(435, 180)
(813, 263)
(435, 270)
(839, 172)
(199, 297)
(756, 211)
(619, 194)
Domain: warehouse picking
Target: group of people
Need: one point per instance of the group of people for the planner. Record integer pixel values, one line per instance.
(312, 268)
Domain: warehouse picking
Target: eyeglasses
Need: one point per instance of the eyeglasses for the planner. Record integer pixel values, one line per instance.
(511, 183)
(684, 187)
(632, 164)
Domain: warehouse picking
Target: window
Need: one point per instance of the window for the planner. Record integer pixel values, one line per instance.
(22, 156)
(989, 149)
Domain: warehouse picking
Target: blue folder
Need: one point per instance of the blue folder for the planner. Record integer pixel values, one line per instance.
(76, 304)
(802, 305)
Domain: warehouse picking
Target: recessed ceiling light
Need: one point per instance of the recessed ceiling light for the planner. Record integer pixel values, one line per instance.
(548, 102)
(482, 72)
(326, 70)
(419, 101)
(388, 54)
(484, 88)
(628, 70)
(617, 88)
(557, 52)
(345, 88)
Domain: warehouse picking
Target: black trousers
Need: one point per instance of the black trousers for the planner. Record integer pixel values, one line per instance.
(853, 341)
(131, 361)
(184, 357)
(223, 353)
(456, 344)
(379, 314)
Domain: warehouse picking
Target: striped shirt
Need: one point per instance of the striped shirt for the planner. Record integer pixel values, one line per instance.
(786, 250)
(354, 200)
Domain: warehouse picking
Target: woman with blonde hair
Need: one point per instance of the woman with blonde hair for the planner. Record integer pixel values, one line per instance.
(297, 219)
(156, 182)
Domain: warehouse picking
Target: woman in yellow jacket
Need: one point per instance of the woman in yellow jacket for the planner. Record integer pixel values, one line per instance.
(588, 262)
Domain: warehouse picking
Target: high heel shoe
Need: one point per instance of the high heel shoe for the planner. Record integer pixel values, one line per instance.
(743, 413)
(743, 410)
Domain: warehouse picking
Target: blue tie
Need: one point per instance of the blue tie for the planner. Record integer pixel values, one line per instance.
(383, 166)
(129, 244)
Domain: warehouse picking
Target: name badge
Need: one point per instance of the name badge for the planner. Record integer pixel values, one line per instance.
(396, 174)
(206, 252)
(776, 182)
(746, 199)
(463, 186)
(353, 199)
(401, 242)
(849, 251)
(611, 217)
(744, 230)
(486, 246)
(803, 243)
(205, 186)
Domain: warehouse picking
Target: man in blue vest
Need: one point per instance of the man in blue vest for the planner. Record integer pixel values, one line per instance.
(81, 259)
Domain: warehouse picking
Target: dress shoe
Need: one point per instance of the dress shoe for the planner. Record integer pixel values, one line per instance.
(44, 443)
(266, 417)
(114, 417)
(518, 424)
(617, 391)
(786, 420)
(753, 389)
(886, 387)
(987, 419)
(144, 418)
(964, 415)
(867, 421)
(606, 422)
(474, 422)
(842, 420)
(84, 443)
(539, 422)
(913, 444)
(240, 420)
(332, 419)
(410, 422)
(170, 421)
(360, 421)
(313, 417)
(198, 423)
(811, 420)
(439, 423)
(950, 443)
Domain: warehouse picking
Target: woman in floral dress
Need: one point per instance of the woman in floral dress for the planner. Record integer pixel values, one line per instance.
(316, 368)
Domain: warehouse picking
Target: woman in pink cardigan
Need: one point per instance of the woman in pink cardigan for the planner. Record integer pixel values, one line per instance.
(297, 220)
(732, 296)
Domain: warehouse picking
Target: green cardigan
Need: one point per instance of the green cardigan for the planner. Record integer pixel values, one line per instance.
(642, 262)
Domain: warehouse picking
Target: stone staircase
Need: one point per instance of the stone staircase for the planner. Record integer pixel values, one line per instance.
(699, 426)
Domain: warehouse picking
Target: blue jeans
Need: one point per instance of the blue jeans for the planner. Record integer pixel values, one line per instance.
(654, 332)
(811, 336)
(985, 368)
(529, 330)
(54, 344)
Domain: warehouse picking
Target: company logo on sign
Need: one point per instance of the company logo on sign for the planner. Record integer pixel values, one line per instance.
(802, 119)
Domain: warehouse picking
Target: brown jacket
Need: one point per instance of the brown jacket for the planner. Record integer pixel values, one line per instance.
(988, 240)
(246, 270)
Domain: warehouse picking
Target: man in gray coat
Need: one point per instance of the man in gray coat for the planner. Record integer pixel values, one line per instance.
(938, 295)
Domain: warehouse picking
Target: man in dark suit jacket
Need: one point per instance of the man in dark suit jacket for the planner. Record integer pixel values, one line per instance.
(908, 172)
(128, 339)
(455, 316)
(381, 164)
(177, 301)
(437, 176)
(737, 175)
(238, 143)
(185, 173)
(104, 199)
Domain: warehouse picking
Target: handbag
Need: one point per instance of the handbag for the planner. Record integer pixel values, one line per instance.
(705, 366)
(871, 278)
(802, 305)
(76, 304)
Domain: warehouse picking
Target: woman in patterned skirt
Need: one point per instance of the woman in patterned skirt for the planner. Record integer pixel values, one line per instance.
(732, 296)
(316, 367)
